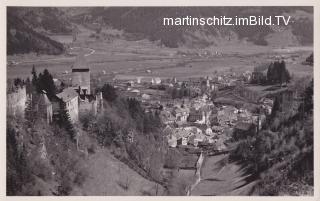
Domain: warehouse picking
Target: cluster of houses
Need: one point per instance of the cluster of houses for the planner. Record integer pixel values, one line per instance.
(198, 119)
(209, 125)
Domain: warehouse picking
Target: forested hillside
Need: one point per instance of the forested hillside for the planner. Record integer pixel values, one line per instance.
(281, 154)
(147, 22)
(22, 38)
(50, 159)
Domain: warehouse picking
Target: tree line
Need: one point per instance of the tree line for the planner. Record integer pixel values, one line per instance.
(129, 132)
(282, 152)
(277, 73)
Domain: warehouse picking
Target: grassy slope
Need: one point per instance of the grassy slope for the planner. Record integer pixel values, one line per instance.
(106, 174)
(221, 178)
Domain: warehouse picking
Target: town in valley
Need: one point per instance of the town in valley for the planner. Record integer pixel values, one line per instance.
(100, 110)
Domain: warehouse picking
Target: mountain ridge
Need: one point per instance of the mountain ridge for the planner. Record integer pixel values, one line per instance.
(23, 38)
(34, 24)
(148, 22)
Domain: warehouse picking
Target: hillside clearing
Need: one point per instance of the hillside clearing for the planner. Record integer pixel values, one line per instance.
(107, 176)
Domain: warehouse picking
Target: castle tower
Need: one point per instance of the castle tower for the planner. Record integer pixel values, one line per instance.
(81, 75)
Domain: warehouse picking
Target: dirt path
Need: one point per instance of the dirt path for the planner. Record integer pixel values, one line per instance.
(92, 51)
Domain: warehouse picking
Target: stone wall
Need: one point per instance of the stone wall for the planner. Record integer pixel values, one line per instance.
(91, 105)
(73, 109)
(46, 112)
(81, 79)
(16, 101)
(86, 107)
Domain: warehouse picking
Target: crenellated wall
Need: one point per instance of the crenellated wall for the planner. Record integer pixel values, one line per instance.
(94, 105)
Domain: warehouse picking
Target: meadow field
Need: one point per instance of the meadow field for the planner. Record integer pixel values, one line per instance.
(134, 58)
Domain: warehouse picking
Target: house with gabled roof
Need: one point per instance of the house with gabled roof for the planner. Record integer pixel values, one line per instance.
(71, 100)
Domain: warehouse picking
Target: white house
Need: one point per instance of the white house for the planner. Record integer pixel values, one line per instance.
(209, 131)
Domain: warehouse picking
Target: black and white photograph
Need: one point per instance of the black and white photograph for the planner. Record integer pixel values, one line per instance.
(159, 101)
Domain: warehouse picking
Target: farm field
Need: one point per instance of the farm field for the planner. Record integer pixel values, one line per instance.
(133, 58)
(162, 67)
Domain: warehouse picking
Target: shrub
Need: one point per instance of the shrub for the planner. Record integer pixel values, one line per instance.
(92, 148)
(42, 170)
(80, 177)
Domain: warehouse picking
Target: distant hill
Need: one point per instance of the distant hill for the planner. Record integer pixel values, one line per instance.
(22, 38)
(147, 21)
(50, 20)
(27, 26)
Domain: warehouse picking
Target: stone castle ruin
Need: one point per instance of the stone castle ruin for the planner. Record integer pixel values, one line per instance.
(87, 102)
(78, 98)
(16, 100)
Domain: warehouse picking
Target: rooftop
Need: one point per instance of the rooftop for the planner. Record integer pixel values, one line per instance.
(67, 94)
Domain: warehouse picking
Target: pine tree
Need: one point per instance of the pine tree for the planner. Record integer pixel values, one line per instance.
(39, 83)
(283, 73)
(45, 82)
(275, 107)
(269, 74)
(65, 120)
(277, 73)
(308, 98)
(34, 76)
(30, 112)
(109, 93)
(18, 82)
